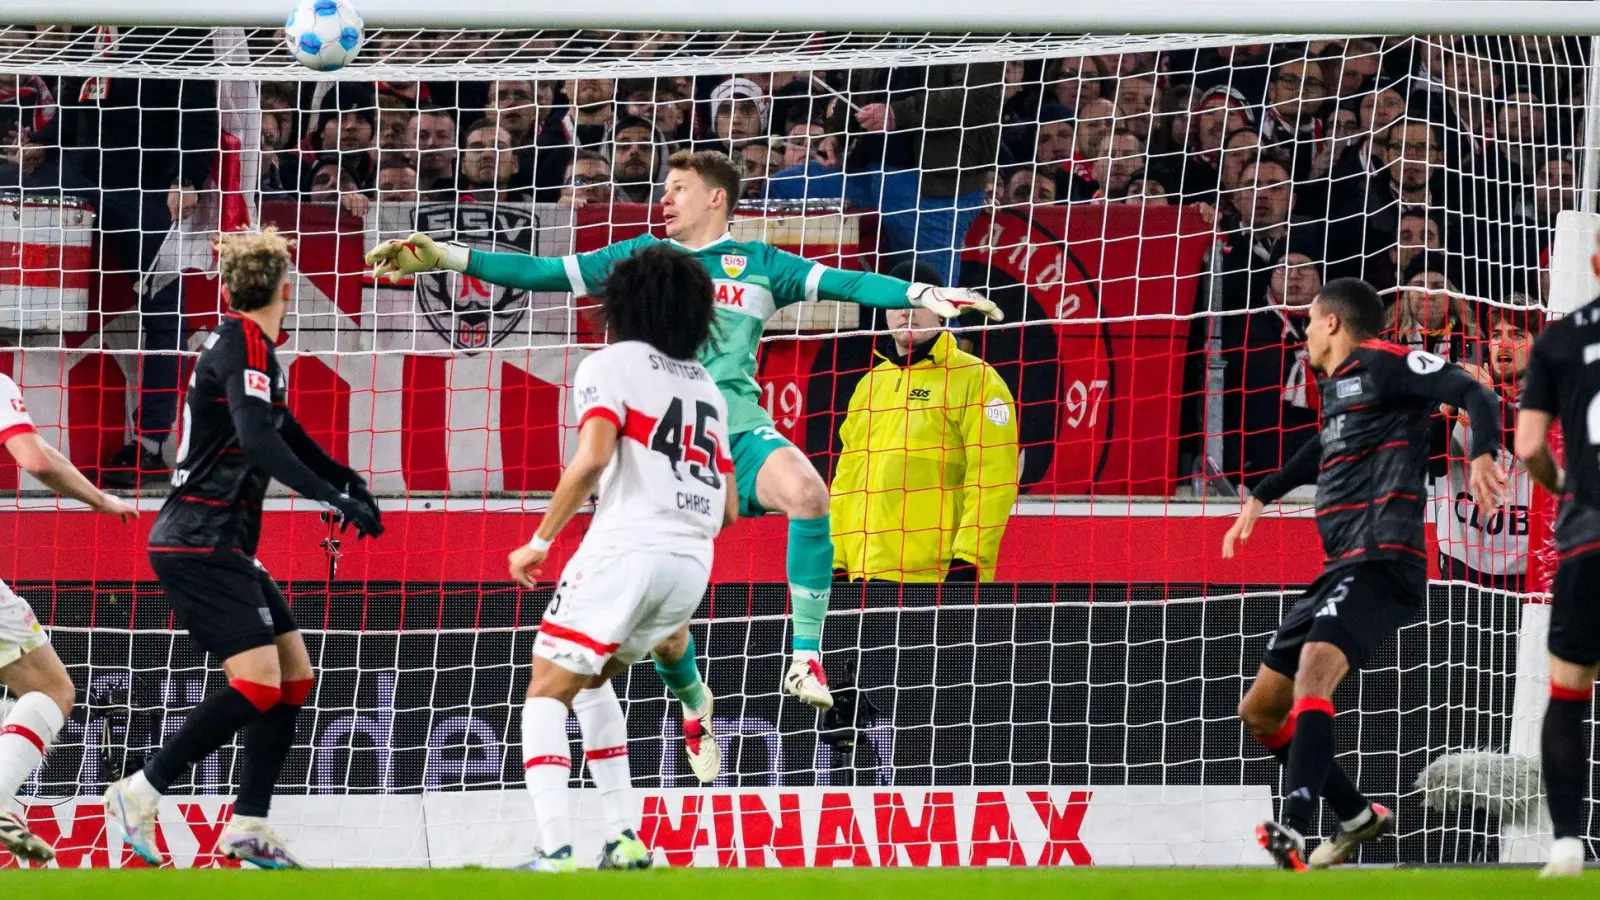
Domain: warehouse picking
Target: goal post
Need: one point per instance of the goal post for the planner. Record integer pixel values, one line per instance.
(1149, 191)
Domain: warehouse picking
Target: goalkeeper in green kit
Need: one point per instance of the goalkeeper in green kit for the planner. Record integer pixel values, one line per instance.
(753, 281)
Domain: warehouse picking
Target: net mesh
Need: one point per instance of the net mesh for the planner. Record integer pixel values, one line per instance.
(1152, 213)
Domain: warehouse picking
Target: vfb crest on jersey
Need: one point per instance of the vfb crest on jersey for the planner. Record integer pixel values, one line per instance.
(469, 313)
(734, 264)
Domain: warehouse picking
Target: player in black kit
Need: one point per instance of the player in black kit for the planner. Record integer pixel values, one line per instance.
(238, 434)
(1370, 467)
(1563, 380)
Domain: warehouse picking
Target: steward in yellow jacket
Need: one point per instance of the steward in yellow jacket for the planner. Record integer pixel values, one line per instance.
(927, 472)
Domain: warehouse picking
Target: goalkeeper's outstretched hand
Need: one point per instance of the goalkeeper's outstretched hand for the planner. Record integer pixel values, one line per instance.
(951, 302)
(417, 253)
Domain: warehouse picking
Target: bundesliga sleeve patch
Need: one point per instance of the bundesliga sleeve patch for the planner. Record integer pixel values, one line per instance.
(257, 385)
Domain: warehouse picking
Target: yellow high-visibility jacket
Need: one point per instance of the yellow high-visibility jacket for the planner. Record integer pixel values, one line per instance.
(928, 467)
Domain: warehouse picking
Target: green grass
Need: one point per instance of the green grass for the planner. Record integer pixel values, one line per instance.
(795, 884)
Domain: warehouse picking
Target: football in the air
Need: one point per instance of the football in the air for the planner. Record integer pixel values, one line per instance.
(323, 34)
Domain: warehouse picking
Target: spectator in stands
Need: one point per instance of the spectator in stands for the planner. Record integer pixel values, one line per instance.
(1055, 156)
(758, 158)
(1027, 186)
(1218, 117)
(1115, 161)
(1262, 209)
(1146, 189)
(1135, 104)
(1418, 234)
(356, 132)
(1415, 154)
(1295, 97)
(1429, 312)
(1554, 189)
(1072, 82)
(488, 163)
(335, 181)
(397, 184)
(1094, 122)
(588, 121)
(588, 181)
(432, 135)
(514, 106)
(280, 163)
(634, 161)
(927, 474)
(1520, 134)
(808, 143)
(1381, 107)
(737, 113)
(1357, 65)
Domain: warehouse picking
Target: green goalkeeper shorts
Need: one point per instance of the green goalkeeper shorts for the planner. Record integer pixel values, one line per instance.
(750, 451)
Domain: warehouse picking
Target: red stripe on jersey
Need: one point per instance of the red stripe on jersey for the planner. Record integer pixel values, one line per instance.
(600, 412)
(606, 752)
(1395, 495)
(13, 431)
(1385, 346)
(561, 761)
(26, 734)
(204, 500)
(155, 549)
(1360, 453)
(573, 636)
(637, 425)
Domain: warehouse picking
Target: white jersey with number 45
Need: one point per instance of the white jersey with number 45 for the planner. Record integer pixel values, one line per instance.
(666, 486)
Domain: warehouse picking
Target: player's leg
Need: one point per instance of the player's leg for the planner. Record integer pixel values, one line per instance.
(786, 482)
(547, 763)
(1564, 741)
(675, 663)
(44, 692)
(220, 602)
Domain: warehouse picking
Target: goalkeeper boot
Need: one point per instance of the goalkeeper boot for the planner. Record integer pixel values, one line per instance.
(705, 757)
(252, 840)
(136, 816)
(1287, 847)
(625, 851)
(807, 681)
(1566, 859)
(23, 844)
(1338, 848)
(558, 863)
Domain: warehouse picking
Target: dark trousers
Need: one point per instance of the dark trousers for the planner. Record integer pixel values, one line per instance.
(133, 224)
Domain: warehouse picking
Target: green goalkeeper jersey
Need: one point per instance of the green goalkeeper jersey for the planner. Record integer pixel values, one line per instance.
(753, 280)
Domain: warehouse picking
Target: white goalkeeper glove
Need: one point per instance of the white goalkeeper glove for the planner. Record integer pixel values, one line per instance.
(951, 302)
(417, 253)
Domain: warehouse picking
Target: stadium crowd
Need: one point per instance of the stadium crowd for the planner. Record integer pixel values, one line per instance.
(1432, 167)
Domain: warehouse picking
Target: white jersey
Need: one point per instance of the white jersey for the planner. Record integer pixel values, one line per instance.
(665, 488)
(13, 412)
(1496, 544)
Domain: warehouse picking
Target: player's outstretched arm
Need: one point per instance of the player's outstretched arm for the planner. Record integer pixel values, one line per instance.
(44, 462)
(1449, 384)
(419, 253)
(797, 278)
(597, 443)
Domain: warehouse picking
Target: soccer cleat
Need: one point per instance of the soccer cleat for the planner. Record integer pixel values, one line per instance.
(809, 683)
(136, 818)
(1287, 847)
(1338, 848)
(253, 841)
(625, 851)
(23, 844)
(705, 757)
(557, 863)
(1566, 859)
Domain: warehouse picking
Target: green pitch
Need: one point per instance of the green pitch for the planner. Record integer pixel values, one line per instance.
(777, 884)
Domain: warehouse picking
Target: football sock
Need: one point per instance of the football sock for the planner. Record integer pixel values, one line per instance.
(1564, 753)
(216, 719)
(1310, 759)
(28, 733)
(546, 765)
(605, 752)
(810, 568)
(267, 741)
(682, 678)
(1344, 798)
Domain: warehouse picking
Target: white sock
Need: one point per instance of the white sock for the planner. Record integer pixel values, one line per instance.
(807, 654)
(142, 788)
(547, 762)
(28, 732)
(605, 751)
(1363, 818)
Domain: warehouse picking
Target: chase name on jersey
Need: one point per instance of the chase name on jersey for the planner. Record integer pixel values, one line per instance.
(683, 369)
(695, 503)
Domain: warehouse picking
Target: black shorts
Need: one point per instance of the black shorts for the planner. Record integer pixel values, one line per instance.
(1355, 608)
(1575, 610)
(225, 599)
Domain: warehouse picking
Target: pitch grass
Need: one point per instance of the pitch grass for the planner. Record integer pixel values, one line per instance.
(796, 884)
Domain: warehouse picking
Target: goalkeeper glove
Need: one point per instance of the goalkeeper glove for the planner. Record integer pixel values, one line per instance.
(951, 302)
(417, 253)
(356, 487)
(354, 512)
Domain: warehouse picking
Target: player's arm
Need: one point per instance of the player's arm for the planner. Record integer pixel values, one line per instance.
(1300, 469)
(1426, 375)
(990, 488)
(730, 505)
(597, 443)
(796, 278)
(580, 273)
(1537, 409)
(324, 466)
(44, 462)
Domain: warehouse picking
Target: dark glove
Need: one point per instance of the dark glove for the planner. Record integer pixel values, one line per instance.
(961, 571)
(356, 487)
(354, 512)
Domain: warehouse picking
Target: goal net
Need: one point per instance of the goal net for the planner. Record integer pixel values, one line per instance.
(1152, 213)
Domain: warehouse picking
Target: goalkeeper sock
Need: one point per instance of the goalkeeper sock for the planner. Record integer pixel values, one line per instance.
(1564, 758)
(810, 569)
(267, 742)
(1310, 759)
(216, 719)
(605, 752)
(546, 765)
(682, 678)
(1348, 803)
(29, 731)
